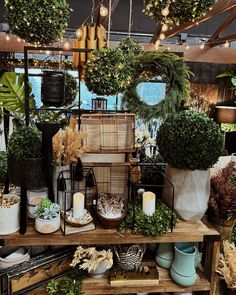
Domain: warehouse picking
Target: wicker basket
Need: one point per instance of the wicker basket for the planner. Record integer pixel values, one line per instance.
(129, 257)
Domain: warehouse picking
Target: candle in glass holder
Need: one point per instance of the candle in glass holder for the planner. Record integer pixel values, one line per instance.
(149, 203)
(78, 205)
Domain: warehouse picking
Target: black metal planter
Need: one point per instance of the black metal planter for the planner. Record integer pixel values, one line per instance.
(53, 88)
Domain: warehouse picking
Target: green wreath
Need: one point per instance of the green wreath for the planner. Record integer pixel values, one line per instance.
(163, 66)
(39, 22)
(180, 11)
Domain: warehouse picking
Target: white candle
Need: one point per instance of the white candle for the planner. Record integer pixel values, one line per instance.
(78, 205)
(149, 203)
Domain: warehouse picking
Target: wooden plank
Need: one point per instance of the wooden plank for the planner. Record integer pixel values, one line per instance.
(102, 286)
(184, 232)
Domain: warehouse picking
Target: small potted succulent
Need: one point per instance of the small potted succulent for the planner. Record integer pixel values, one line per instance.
(96, 262)
(24, 150)
(47, 217)
(191, 143)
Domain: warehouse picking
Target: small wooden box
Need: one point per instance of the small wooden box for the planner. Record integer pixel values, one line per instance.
(109, 132)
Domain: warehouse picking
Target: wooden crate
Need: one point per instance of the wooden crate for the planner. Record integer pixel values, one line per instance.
(109, 132)
(111, 177)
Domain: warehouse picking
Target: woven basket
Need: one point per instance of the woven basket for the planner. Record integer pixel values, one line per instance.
(129, 257)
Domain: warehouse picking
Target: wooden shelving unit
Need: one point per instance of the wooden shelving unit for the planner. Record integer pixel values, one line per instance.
(195, 231)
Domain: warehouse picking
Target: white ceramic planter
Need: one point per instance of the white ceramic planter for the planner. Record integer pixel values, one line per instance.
(19, 256)
(34, 197)
(58, 195)
(46, 226)
(10, 217)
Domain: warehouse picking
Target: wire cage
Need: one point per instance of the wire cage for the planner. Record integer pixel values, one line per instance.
(84, 182)
(149, 177)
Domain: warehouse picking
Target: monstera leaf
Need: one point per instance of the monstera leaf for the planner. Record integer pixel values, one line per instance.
(12, 92)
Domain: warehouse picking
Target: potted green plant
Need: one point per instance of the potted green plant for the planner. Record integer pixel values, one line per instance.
(190, 143)
(222, 202)
(24, 150)
(94, 261)
(47, 217)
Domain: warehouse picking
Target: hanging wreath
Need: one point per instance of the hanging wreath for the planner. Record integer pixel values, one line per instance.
(176, 12)
(160, 66)
(40, 21)
(108, 72)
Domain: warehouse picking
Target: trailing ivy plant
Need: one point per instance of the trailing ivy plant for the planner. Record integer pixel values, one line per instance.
(190, 140)
(159, 66)
(155, 225)
(180, 11)
(108, 72)
(40, 21)
(68, 285)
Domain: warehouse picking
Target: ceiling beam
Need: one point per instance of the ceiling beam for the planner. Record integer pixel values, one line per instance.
(220, 7)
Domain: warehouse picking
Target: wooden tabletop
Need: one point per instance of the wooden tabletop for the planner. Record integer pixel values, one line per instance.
(185, 231)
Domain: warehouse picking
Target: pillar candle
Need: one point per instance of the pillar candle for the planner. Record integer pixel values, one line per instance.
(149, 203)
(78, 205)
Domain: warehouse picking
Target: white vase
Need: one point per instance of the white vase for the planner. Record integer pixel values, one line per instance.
(47, 226)
(191, 193)
(58, 195)
(34, 198)
(10, 217)
(99, 272)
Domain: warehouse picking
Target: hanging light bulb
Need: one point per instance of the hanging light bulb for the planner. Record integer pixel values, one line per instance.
(226, 45)
(79, 33)
(18, 39)
(164, 27)
(66, 45)
(202, 46)
(7, 37)
(165, 11)
(162, 36)
(103, 11)
(187, 47)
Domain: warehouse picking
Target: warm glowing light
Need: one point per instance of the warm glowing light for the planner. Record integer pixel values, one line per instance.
(66, 45)
(187, 47)
(164, 27)
(8, 37)
(79, 33)
(226, 45)
(165, 11)
(48, 52)
(103, 10)
(18, 39)
(162, 36)
(202, 46)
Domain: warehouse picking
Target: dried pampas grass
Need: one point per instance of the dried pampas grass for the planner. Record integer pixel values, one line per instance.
(227, 264)
(68, 146)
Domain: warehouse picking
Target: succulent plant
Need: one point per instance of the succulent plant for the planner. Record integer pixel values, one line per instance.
(47, 210)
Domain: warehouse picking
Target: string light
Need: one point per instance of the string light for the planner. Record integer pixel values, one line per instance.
(7, 37)
(162, 36)
(202, 46)
(66, 45)
(165, 11)
(226, 45)
(164, 27)
(18, 39)
(48, 52)
(103, 10)
(187, 47)
(79, 33)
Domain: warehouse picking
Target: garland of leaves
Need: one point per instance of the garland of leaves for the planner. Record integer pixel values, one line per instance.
(180, 11)
(38, 22)
(108, 72)
(163, 66)
(155, 225)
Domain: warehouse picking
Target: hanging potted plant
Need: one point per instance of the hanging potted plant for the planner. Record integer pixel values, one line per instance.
(67, 150)
(24, 150)
(190, 143)
(95, 262)
(222, 203)
(47, 217)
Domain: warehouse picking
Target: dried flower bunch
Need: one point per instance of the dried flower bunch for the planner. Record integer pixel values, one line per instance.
(227, 264)
(68, 146)
(222, 201)
(110, 206)
(91, 257)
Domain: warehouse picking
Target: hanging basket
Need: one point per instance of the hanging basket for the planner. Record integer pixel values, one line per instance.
(129, 257)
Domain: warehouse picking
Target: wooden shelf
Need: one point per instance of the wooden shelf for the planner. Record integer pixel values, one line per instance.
(102, 286)
(191, 231)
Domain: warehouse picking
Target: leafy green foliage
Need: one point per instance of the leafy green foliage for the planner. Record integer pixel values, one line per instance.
(129, 44)
(181, 11)
(190, 140)
(38, 21)
(12, 92)
(47, 210)
(108, 72)
(155, 225)
(68, 285)
(70, 89)
(170, 69)
(3, 166)
(25, 142)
